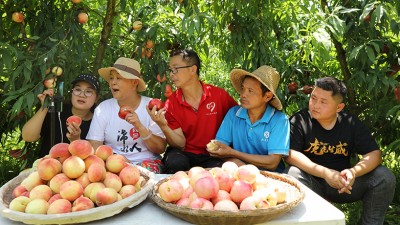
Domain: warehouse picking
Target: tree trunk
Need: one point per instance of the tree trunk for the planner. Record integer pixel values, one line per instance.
(341, 57)
(105, 35)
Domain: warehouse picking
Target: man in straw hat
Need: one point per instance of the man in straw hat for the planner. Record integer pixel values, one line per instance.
(323, 138)
(137, 137)
(256, 132)
(193, 114)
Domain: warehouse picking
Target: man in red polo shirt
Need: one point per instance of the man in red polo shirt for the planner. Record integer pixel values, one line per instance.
(191, 116)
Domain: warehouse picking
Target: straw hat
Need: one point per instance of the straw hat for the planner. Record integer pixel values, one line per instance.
(267, 75)
(128, 69)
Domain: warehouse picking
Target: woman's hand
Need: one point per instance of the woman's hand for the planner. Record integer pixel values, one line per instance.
(42, 96)
(74, 132)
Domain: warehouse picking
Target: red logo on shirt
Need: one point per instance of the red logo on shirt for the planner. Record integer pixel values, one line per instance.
(211, 106)
(134, 133)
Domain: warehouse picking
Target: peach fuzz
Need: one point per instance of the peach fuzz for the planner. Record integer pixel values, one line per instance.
(56, 182)
(106, 196)
(113, 181)
(96, 173)
(71, 190)
(59, 206)
(129, 175)
(226, 205)
(19, 203)
(91, 159)
(32, 180)
(81, 148)
(37, 206)
(127, 190)
(103, 152)
(48, 168)
(60, 152)
(82, 203)
(73, 167)
(41, 191)
(115, 163)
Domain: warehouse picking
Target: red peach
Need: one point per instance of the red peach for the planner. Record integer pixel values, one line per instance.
(226, 205)
(115, 163)
(81, 148)
(60, 152)
(103, 152)
(106, 196)
(74, 119)
(48, 168)
(127, 190)
(56, 182)
(240, 190)
(59, 206)
(129, 175)
(54, 197)
(113, 181)
(41, 191)
(71, 190)
(73, 167)
(82, 203)
(96, 172)
(170, 191)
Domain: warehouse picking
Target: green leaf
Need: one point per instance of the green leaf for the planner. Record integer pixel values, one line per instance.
(354, 53)
(370, 53)
(30, 99)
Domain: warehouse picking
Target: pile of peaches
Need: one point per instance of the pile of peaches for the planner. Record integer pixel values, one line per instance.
(226, 188)
(75, 177)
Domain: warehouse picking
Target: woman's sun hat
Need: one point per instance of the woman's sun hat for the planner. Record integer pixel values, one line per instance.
(267, 75)
(128, 69)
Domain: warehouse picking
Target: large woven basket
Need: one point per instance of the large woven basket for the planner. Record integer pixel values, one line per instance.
(295, 194)
(96, 213)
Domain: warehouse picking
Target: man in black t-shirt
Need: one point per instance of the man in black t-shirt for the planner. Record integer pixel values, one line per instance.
(322, 140)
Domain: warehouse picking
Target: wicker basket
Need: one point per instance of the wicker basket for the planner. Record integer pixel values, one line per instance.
(295, 194)
(96, 213)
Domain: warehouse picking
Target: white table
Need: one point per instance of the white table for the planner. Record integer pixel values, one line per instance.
(313, 210)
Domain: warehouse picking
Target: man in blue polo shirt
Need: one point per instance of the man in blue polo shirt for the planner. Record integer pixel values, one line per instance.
(256, 132)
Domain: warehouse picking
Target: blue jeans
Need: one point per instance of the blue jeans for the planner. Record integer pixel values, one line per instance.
(375, 189)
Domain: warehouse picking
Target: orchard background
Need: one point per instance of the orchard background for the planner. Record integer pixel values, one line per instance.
(357, 41)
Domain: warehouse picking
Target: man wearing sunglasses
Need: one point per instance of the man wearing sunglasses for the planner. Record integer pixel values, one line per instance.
(191, 116)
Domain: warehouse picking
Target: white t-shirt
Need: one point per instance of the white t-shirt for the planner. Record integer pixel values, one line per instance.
(122, 136)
